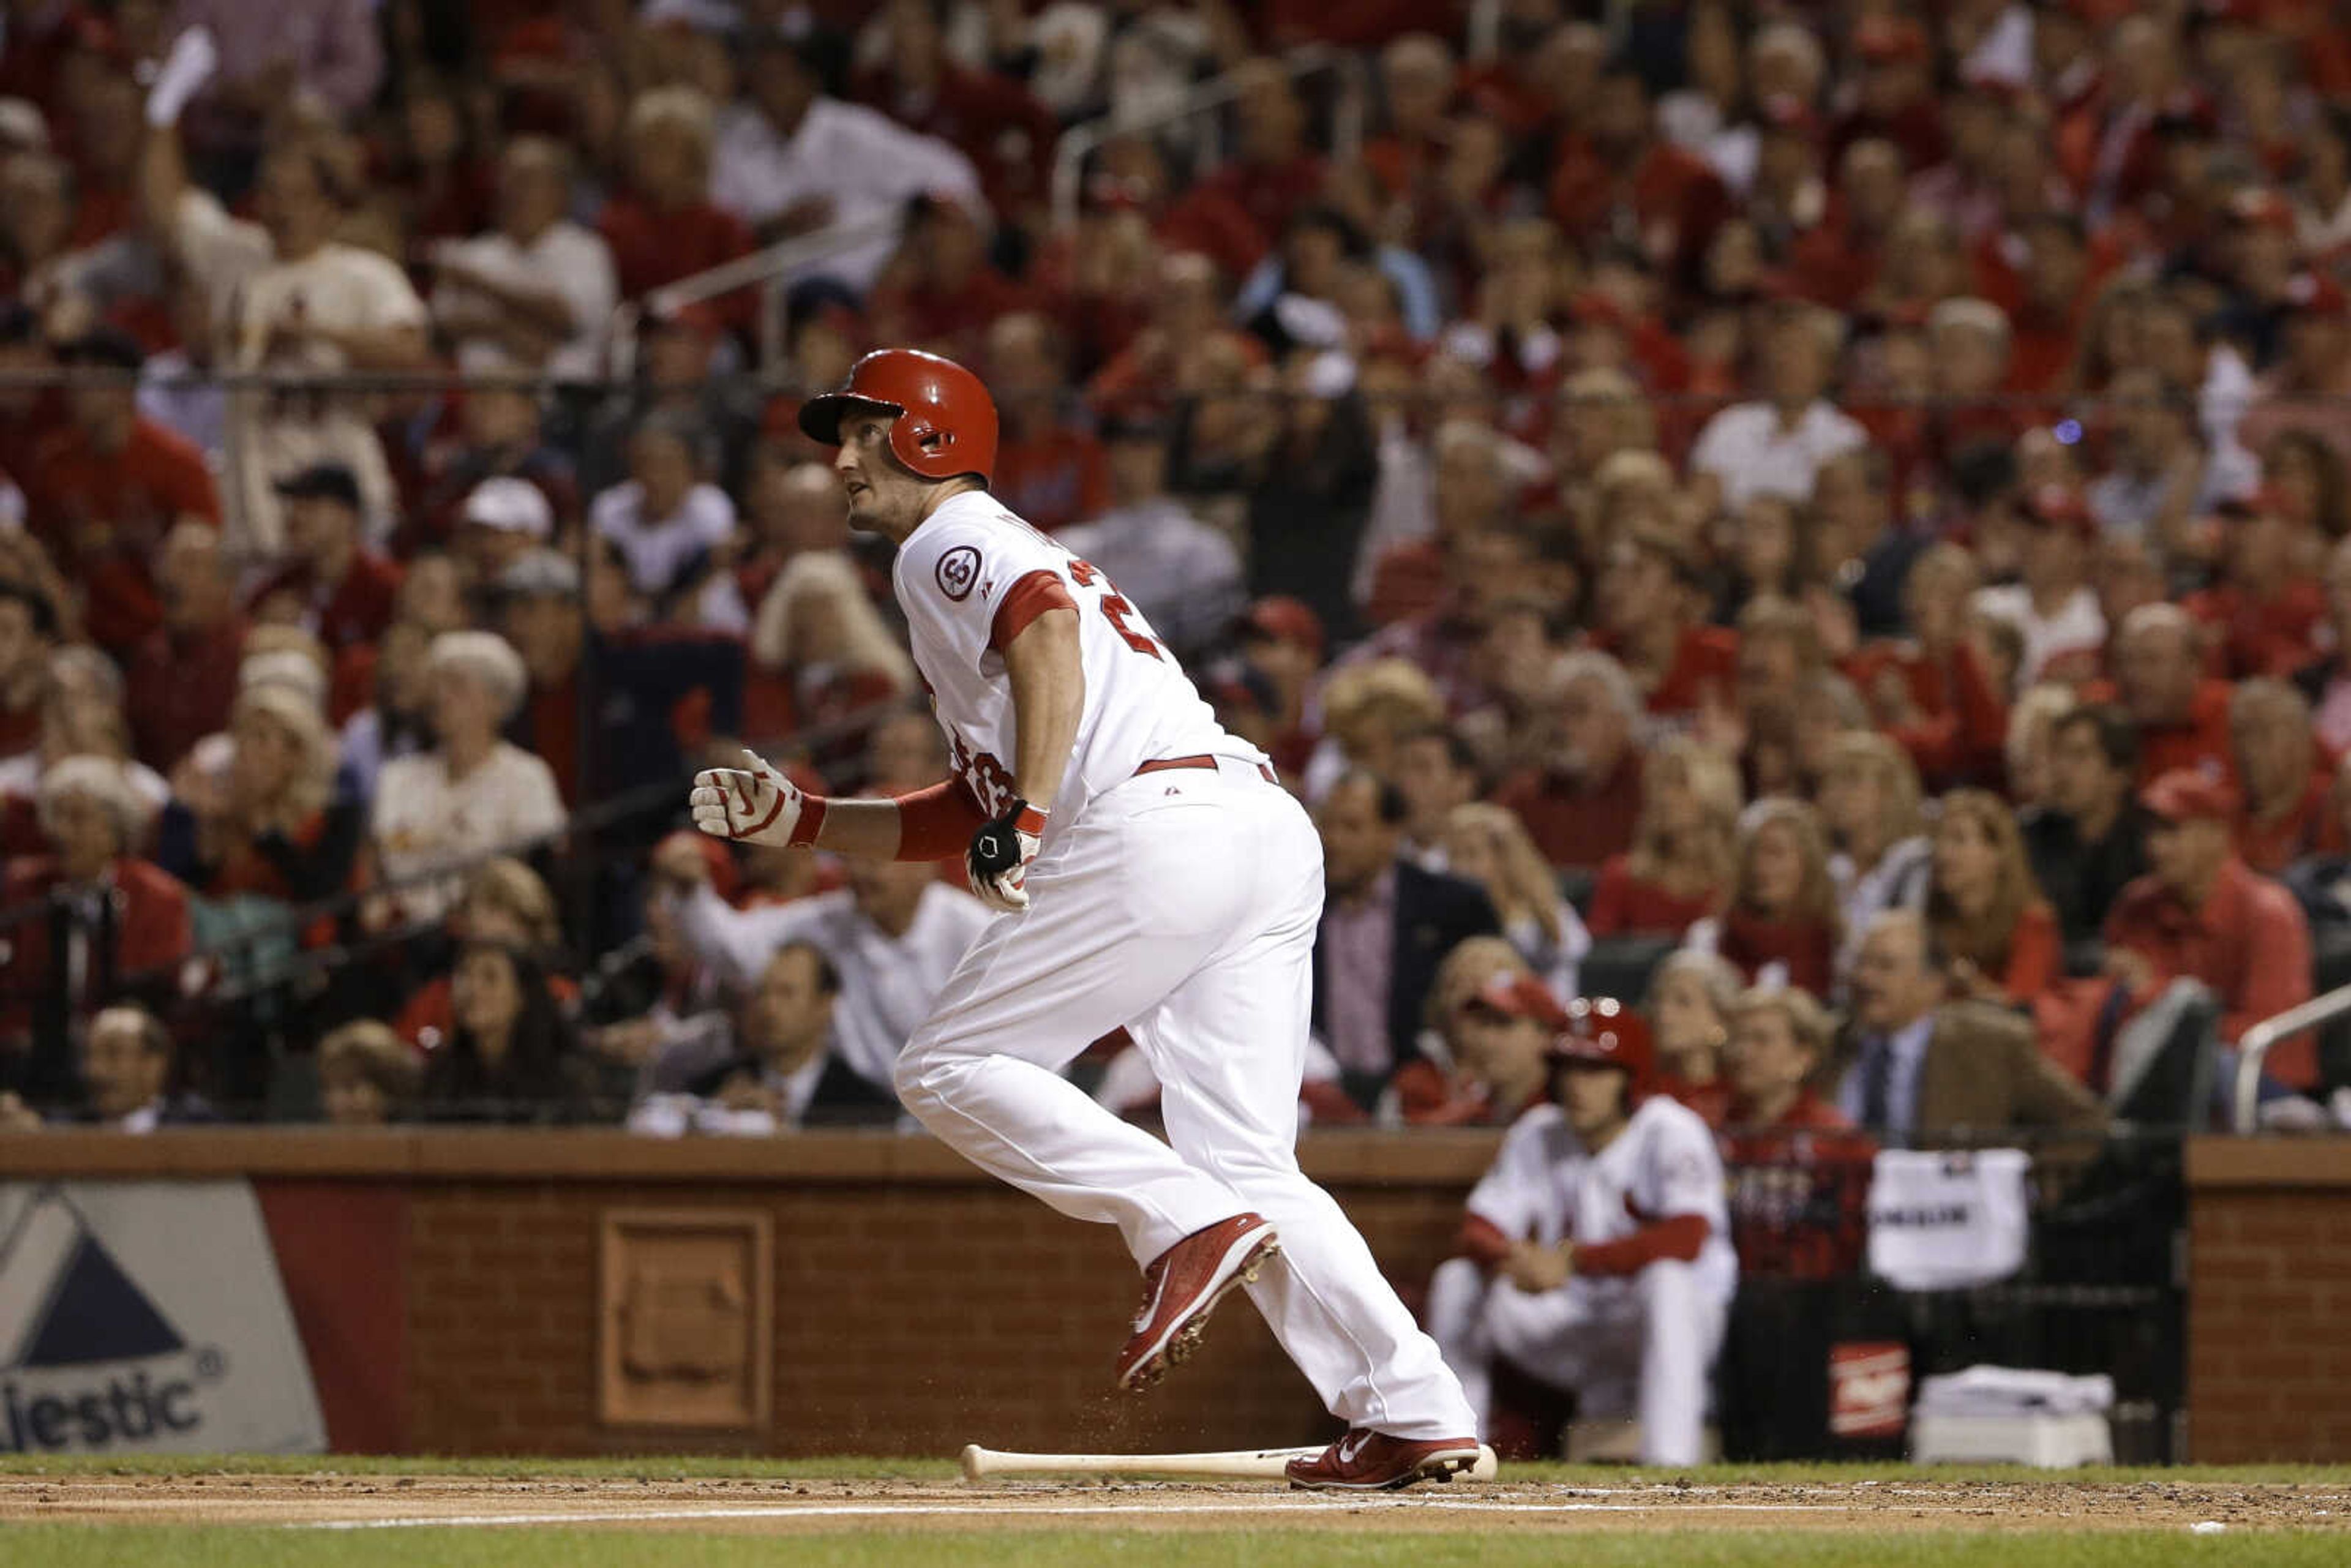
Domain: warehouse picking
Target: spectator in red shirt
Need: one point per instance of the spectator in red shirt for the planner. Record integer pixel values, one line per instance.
(1417, 73)
(1582, 802)
(1617, 175)
(1834, 258)
(664, 226)
(1651, 609)
(2202, 914)
(2266, 610)
(335, 587)
(106, 486)
(1688, 1009)
(940, 289)
(2158, 679)
(1783, 913)
(1984, 906)
(28, 632)
(1047, 469)
(1276, 172)
(1684, 853)
(2054, 303)
(1007, 135)
(182, 677)
(1896, 95)
(1798, 1171)
(2288, 809)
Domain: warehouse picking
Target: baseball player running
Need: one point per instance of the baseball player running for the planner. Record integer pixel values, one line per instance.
(1151, 873)
(1599, 1258)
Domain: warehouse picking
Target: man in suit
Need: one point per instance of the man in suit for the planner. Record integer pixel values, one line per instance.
(1386, 925)
(1928, 1072)
(782, 1074)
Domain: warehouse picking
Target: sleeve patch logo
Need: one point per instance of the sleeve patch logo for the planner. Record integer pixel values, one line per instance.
(957, 570)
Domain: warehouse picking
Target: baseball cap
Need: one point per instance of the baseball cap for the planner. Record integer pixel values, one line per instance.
(2188, 795)
(541, 574)
(1522, 997)
(323, 482)
(1284, 620)
(510, 506)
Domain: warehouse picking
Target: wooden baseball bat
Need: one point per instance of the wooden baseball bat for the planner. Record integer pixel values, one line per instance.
(1237, 1464)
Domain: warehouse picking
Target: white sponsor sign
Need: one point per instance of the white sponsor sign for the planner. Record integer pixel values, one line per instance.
(148, 1317)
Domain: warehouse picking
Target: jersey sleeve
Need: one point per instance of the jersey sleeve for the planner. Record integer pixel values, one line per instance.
(1508, 1196)
(1685, 1173)
(969, 589)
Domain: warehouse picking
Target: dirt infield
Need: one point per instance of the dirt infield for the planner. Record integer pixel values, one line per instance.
(381, 1502)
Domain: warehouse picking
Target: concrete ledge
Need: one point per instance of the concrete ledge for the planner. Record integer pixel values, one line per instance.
(2316, 1162)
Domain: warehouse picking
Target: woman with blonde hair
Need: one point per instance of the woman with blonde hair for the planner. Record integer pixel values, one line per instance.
(1368, 709)
(1688, 1006)
(1489, 846)
(258, 815)
(1783, 915)
(1684, 853)
(1869, 805)
(1435, 1089)
(820, 651)
(1983, 905)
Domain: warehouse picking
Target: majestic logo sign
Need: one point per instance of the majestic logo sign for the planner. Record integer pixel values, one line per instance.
(145, 1316)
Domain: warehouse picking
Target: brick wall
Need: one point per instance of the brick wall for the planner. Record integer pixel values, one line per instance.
(2269, 1317)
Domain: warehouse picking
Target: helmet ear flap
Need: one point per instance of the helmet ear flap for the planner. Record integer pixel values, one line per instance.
(918, 441)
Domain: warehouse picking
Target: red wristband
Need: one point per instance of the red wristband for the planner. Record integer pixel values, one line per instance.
(811, 822)
(1031, 821)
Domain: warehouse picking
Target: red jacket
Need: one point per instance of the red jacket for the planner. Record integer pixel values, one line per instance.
(145, 909)
(2273, 636)
(1625, 906)
(1961, 724)
(2310, 827)
(357, 610)
(1807, 948)
(2249, 941)
(1574, 827)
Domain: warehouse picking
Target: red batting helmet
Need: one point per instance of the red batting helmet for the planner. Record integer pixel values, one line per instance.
(1604, 1031)
(945, 423)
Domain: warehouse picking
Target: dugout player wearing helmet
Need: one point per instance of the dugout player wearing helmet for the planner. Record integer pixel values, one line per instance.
(1599, 1256)
(1151, 873)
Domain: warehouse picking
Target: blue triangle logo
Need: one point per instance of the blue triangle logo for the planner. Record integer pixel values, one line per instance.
(89, 1310)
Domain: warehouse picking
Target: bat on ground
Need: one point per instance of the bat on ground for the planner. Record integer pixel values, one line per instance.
(1239, 1464)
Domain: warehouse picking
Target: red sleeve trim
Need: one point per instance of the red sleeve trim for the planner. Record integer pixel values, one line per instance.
(1482, 1241)
(1677, 1237)
(937, 822)
(1028, 598)
(811, 824)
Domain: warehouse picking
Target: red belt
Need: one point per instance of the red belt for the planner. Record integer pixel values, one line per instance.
(1199, 759)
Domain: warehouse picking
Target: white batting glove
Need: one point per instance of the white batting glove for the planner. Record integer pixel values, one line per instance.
(997, 861)
(760, 806)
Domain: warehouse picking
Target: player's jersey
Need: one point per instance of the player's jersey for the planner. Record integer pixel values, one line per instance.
(1544, 1186)
(965, 579)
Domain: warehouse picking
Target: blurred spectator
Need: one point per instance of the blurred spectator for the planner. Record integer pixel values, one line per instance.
(267, 823)
(781, 1074)
(895, 934)
(1274, 173)
(80, 716)
(1437, 772)
(503, 902)
(1925, 1073)
(2030, 725)
(473, 794)
(536, 292)
(1782, 921)
(107, 485)
(2088, 841)
(1799, 1174)
(821, 655)
(1777, 445)
(1386, 925)
(2200, 914)
(1999, 936)
(2268, 609)
(2326, 680)
(1487, 845)
(668, 519)
(511, 1057)
(1684, 861)
(500, 434)
(1368, 708)
(1935, 693)
(1280, 645)
(1597, 1252)
(790, 507)
(1499, 1038)
(2053, 607)
(1613, 173)
(127, 1066)
(91, 922)
(1688, 1010)
(334, 587)
(28, 632)
(991, 119)
(2288, 786)
(1652, 611)
(503, 520)
(2160, 681)
(1312, 464)
(1582, 802)
(328, 50)
(1184, 575)
(662, 225)
(1451, 1081)
(792, 159)
(943, 290)
(366, 1075)
(397, 720)
(1869, 807)
(1048, 470)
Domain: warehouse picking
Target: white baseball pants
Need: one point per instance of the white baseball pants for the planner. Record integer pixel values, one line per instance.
(1181, 904)
(1640, 1346)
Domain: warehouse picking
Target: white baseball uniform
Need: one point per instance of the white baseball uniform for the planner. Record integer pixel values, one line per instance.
(1640, 1343)
(1180, 903)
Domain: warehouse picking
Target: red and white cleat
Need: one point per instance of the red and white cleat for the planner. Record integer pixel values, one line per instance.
(1183, 1286)
(1365, 1460)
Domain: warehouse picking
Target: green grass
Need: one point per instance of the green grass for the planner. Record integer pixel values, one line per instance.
(71, 1546)
(664, 1468)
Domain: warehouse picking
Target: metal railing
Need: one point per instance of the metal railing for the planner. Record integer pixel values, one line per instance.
(769, 267)
(2254, 1047)
(1079, 141)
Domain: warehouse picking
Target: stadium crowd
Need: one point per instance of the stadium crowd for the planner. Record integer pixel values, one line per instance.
(1704, 501)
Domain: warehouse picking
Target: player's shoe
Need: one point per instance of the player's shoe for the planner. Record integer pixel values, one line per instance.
(1365, 1460)
(1183, 1286)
